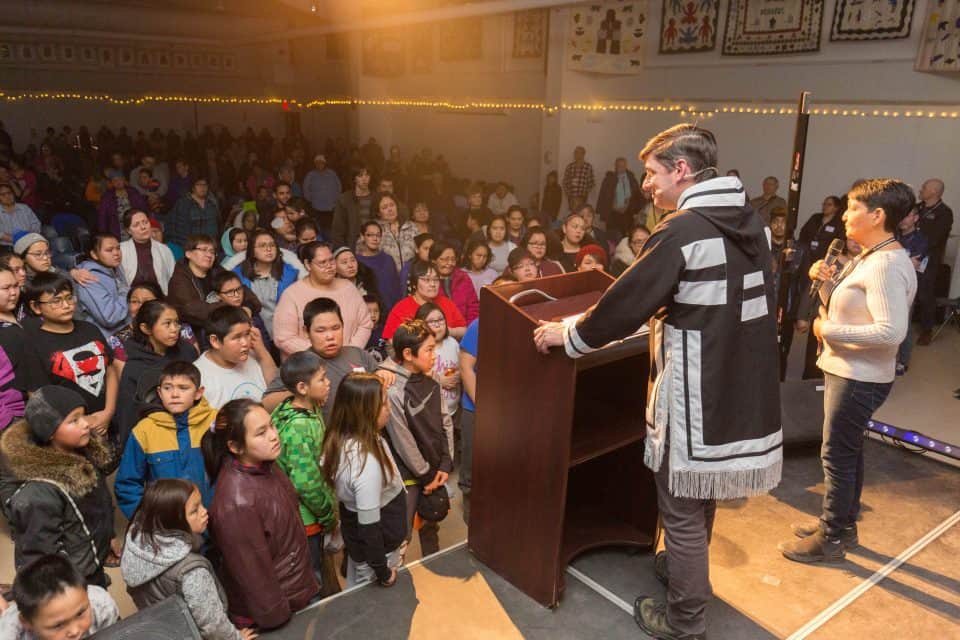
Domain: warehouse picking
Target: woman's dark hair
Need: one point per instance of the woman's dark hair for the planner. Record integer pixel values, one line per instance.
(303, 224)
(97, 241)
(197, 239)
(535, 231)
(375, 205)
(837, 202)
(249, 264)
(148, 286)
(42, 579)
(307, 252)
(893, 196)
(471, 247)
(6, 255)
(367, 278)
(127, 218)
(369, 223)
(356, 410)
(149, 314)
(420, 238)
(227, 428)
(250, 214)
(234, 232)
(162, 510)
(418, 270)
(438, 248)
(506, 226)
(426, 309)
(355, 171)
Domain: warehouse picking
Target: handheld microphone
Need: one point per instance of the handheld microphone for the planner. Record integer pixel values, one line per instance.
(833, 253)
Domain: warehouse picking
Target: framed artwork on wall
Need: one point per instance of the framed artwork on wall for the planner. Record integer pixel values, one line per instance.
(871, 19)
(687, 27)
(106, 56)
(125, 57)
(88, 55)
(770, 27)
(48, 52)
(530, 33)
(607, 37)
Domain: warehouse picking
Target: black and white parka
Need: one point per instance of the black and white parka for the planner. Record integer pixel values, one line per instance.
(704, 281)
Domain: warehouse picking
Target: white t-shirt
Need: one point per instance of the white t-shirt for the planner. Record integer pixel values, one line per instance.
(448, 356)
(220, 385)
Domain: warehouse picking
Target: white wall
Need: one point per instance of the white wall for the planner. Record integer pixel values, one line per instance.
(478, 146)
(839, 149)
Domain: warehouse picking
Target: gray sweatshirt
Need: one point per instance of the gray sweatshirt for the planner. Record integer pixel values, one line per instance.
(140, 565)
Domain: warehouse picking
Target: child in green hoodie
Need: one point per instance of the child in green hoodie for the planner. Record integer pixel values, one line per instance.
(299, 422)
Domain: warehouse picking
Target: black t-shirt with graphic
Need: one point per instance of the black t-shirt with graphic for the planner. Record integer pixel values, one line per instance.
(77, 360)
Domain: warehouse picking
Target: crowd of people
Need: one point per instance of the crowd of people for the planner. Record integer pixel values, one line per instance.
(282, 349)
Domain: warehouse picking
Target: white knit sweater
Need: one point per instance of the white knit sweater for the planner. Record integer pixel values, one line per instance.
(867, 318)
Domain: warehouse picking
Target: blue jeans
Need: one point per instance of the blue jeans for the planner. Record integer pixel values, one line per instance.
(847, 406)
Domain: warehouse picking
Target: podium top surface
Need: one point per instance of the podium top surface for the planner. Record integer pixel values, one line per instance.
(552, 298)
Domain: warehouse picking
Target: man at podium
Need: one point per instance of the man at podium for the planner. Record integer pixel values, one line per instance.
(704, 282)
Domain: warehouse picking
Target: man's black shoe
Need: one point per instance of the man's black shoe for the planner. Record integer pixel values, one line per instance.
(651, 616)
(806, 529)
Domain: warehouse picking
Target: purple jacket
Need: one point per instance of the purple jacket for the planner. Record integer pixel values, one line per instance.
(108, 219)
(463, 294)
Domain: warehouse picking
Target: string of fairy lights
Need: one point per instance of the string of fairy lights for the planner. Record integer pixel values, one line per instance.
(684, 109)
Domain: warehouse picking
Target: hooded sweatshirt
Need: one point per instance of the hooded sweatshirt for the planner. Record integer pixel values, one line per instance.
(139, 380)
(104, 302)
(301, 441)
(150, 576)
(705, 279)
(420, 430)
(164, 446)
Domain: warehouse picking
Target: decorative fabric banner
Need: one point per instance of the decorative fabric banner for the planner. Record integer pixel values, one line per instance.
(940, 45)
(607, 37)
(758, 27)
(872, 19)
(460, 40)
(420, 45)
(383, 53)
(688, 26)
(529, 33)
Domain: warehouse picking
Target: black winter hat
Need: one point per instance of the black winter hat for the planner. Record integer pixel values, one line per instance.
(47, 409)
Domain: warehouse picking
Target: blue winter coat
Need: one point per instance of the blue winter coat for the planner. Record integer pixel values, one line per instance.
(104, 302)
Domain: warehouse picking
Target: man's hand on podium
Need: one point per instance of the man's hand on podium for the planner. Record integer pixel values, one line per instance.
(548, 334)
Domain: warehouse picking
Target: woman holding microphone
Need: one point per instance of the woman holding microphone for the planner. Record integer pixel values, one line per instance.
(863, 318)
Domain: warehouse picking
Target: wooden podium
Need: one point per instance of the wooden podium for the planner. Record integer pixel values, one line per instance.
(558, 445)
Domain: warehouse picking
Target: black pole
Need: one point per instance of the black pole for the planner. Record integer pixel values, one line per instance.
(788, 258)
(796, 163)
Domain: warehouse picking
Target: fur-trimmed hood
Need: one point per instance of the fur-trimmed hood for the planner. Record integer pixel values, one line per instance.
(77, 472)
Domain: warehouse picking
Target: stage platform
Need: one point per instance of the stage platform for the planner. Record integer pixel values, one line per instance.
(902, 582)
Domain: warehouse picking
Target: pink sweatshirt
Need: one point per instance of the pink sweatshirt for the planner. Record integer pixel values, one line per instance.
(288, 331)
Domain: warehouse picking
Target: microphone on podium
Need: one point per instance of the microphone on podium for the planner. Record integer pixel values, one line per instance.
(833, 253)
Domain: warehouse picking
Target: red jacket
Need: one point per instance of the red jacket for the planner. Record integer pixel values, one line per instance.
(255, 521)
(464, 295)
(406, 309)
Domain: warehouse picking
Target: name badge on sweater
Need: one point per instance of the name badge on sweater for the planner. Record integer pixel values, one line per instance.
(828, 229)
